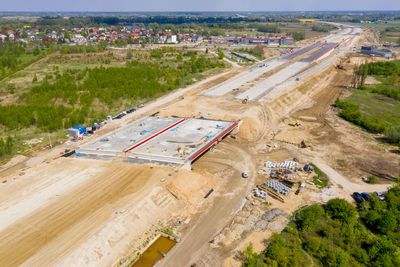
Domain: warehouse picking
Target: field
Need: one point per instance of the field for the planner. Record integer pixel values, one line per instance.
(388, 111)
(389, 31)
(375, 105)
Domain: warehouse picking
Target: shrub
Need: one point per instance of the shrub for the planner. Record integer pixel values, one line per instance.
(307, 218)
(372, 180)
(340, 209)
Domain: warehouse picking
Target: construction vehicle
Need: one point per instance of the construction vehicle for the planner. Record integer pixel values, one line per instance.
(294, 123)
(340, 67)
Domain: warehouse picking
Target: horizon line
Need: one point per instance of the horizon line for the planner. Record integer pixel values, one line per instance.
(204, 11)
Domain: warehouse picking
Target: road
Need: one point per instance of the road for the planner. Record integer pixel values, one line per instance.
(345, 182)
(256, 71)
(224, 205)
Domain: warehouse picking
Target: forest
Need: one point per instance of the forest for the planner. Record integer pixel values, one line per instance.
(337, 234)
(76, 96)
(10, 55)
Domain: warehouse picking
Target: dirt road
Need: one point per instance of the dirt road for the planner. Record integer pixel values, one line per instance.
(69, 219)
(345, 182)
(224, 204)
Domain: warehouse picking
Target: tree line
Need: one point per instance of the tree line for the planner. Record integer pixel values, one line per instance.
(321, 28)
(9, 55)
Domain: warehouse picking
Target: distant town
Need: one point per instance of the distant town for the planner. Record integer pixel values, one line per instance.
(132, 35)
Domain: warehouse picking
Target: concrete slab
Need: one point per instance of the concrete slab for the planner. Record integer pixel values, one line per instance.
(263, 87)
(128, 137)
(183, 143)
(256, 71)
(243, 78)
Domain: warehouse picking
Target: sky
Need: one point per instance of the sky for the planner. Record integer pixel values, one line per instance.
(196, 5)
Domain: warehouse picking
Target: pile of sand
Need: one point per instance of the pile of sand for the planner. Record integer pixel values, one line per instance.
(250, 128)
(191, 186)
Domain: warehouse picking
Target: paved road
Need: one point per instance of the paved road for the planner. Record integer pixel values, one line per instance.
(256, 71)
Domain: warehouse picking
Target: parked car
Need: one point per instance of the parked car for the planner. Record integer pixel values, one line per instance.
(130, 110)
(357, 197)
(118, 117)
(140, 106)
(87, 134)
(380, 195)
(366, 196)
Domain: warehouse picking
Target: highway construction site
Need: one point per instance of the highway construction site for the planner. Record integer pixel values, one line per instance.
(180, 173)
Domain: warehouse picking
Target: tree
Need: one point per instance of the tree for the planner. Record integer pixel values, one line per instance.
(221, 55)
(337, 258)
(249, 256)
(298, 36)
(129, 54)
(387, 222)
(360, 73)
(8, 145)
(393, 134)
(341, 210)
(394, 79)
(307, 218)
(34, 78)
(36, 51)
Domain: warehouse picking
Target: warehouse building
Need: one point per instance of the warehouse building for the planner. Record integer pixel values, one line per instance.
(373, 51)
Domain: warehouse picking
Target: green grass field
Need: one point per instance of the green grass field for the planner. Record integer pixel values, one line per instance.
(388, 111)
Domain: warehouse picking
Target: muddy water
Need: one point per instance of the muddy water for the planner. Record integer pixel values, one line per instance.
(155, 252)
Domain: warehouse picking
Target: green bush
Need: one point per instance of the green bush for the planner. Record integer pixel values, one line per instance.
(372, 180)
(340, 209)
(6, 146)
(307, 218)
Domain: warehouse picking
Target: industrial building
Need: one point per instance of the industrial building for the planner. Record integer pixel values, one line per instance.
(163, 140)
(277, 40)
(373, 51)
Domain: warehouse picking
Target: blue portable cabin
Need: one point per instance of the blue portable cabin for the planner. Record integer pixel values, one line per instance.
(81, 129)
